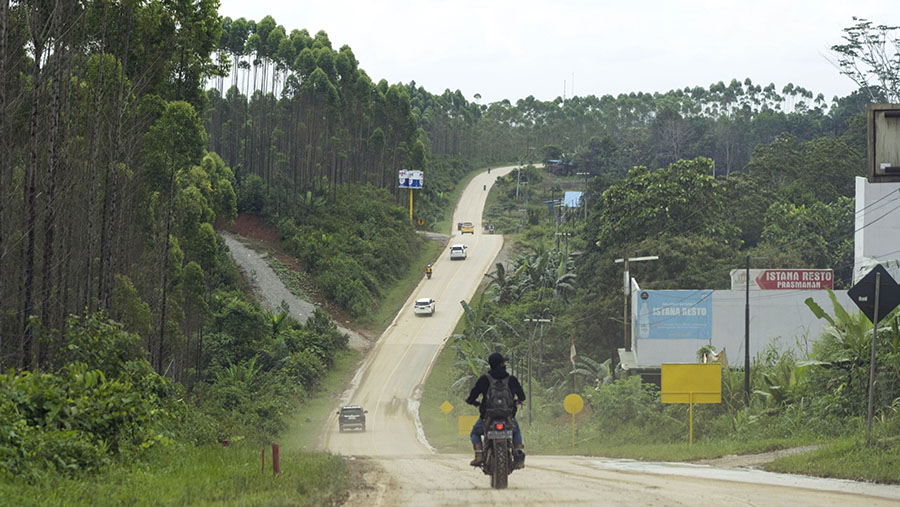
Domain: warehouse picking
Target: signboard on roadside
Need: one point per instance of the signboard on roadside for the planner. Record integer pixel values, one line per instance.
(783, 279)
(691, 383)
(410, 179)
(464, 423)
(674, 314)
(863, 294)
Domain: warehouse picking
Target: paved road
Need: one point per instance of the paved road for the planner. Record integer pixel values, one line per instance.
(387, 382)
(401, 469)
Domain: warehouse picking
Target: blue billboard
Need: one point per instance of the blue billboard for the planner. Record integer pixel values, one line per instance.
(674, 314)
(410, 179)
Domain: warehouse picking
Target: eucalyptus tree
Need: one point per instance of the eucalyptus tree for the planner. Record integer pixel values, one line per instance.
(870, 56)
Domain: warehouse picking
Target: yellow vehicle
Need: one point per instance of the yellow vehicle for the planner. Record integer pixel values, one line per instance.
(467, 227)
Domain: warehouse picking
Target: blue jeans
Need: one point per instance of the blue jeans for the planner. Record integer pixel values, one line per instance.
(478, 432)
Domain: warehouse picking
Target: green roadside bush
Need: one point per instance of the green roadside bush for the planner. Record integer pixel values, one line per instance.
(352, 244)
(106, 403)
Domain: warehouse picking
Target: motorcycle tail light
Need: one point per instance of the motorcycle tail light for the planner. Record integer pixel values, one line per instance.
(499, 426)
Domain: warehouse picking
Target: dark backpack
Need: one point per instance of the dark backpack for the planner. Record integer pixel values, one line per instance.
(498, 400)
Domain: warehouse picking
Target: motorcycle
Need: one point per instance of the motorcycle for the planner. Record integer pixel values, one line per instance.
(500, 457)
(428, 273)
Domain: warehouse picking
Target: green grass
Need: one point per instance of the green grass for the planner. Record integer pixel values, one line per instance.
(393, 298)
(210, 475)
(304, 436)
(441, 429)
(847, 458)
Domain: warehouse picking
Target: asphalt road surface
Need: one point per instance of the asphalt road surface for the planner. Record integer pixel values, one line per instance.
(398, 467)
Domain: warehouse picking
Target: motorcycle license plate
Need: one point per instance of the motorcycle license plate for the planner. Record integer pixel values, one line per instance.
(494, 434)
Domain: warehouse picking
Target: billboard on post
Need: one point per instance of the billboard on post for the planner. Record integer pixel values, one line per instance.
(674, 315)
(410, 179)
(783, 279)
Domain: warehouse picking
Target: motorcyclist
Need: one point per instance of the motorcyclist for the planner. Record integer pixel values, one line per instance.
(498, 371)
(428, 270)
(484, 187)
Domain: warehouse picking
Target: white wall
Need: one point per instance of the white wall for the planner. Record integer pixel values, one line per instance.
(776, 316)
(781, 317)
(877, 228)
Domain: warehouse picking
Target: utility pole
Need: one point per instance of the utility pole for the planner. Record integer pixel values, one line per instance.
(566, 235)
(747, 337)
(530, 362)
(518, 178)
(584, 193)
(627, 291)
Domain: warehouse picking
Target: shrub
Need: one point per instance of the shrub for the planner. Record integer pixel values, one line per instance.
(251, 194)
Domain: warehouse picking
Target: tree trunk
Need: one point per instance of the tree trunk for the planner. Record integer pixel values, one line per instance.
(50, 206)
(4, 185)
(88, 296)
(31, 213)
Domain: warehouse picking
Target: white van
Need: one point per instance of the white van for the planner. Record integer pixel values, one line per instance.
(458, 252)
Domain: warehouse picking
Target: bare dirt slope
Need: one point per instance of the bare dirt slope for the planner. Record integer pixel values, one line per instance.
(272, 291)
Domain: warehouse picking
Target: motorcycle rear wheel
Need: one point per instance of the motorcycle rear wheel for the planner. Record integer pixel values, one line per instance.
(500, 466)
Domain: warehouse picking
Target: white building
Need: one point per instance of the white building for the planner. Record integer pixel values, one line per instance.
(779, 317)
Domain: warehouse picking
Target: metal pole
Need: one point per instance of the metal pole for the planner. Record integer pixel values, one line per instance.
(528, 380)
(518, 177)
(627, 291)
(540, 354)
(747, 337)
(872, 361)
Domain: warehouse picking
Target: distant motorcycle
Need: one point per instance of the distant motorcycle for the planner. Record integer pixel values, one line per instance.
(428, 272)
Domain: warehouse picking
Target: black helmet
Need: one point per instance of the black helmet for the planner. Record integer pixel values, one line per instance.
(495, 359)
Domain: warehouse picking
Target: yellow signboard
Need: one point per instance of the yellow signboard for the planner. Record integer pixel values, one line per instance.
(446, 407)
(465, 423)
(573, 404)
(691, 383)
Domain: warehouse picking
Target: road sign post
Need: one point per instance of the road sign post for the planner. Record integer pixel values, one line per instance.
(691, 383)
(573, 405)
(877, 294)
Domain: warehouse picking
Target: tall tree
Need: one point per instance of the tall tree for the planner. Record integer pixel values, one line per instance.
(870, 56)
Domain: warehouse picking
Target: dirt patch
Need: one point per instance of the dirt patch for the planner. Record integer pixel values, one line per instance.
(261, 236)
(254, 227)
(370, 483)
(755, 460)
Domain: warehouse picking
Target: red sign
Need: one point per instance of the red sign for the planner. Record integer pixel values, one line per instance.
(795, 279)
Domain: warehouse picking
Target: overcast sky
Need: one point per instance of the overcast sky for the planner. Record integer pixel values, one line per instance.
(510, 49)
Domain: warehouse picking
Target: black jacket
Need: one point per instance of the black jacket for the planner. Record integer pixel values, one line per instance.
(483, 383)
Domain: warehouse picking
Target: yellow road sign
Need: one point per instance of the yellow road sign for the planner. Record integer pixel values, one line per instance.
(446, 407)
(465, 423)
(691, 383)
(573, 404)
